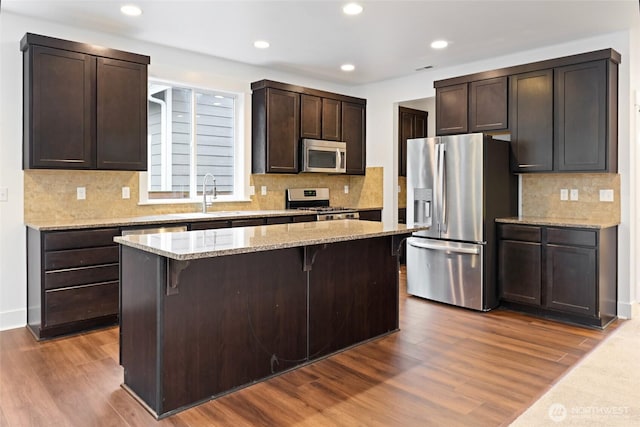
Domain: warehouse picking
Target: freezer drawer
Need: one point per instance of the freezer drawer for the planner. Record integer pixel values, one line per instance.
(449, 272)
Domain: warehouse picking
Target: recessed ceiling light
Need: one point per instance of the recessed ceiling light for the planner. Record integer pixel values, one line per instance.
(352, 9)
(218, 96)
(217, 104)
(439, 44)
(347, 67)
(131, 10)
(261, 44)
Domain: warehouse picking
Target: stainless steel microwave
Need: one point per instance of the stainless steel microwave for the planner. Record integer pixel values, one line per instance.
(324, 156)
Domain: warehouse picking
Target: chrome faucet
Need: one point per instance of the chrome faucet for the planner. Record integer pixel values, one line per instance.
(204, 191)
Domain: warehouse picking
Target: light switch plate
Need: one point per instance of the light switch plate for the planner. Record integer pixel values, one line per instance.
(126, 193)
(263, 190)
(606, 195)
(564, 194)
(81, 193)
(4, 194)
(252, 190)
(574, 194)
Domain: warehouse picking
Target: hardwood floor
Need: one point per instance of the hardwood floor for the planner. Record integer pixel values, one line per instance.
(446, 367)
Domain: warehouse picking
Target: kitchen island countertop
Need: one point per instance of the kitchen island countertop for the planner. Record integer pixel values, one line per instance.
(557, 222)
(198, 244)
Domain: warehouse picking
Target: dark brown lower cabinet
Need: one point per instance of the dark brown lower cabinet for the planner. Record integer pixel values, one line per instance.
(370, 215)
(193, 330)
(562, 272)
(72, 280)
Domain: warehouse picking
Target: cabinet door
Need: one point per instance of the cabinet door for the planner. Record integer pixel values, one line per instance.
(413, 124)
(531, 119)
(580, 117)
(353, 133)
(488, 105)
(452, 109)
(121, 115)
(331, 112)
(519, 277)
(311, 116)
(283, 131)
(59, 101)
(571, 279)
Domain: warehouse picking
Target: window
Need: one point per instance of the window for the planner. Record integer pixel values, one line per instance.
(191, 132)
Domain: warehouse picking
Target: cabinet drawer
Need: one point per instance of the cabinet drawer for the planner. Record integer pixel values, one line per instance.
(80, 257)
(278, 220)
(80, 303)
(247, 222)
(526, 233)
(209, 225)
(305, 218)
(81, 276)
(567, 236)
(78, 239)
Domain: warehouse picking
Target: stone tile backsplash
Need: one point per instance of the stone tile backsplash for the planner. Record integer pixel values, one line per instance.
(51, 194)
(541, 196)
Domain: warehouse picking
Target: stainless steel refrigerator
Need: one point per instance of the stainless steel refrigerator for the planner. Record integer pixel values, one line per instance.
(457, 185)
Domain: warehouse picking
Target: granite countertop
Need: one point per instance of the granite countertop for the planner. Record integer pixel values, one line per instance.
(558, 222)
(161, 219)
(190, 245)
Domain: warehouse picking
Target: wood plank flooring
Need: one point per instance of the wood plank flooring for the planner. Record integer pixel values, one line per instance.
(446, 367)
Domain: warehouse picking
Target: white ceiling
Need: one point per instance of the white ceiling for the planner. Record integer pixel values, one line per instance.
(389, 39)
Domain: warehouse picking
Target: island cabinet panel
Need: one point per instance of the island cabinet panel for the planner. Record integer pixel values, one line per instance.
(531, 121)
(350, 302)
(196, 329)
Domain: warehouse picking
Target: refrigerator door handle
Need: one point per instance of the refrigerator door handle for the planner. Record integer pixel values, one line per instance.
(472, 249)
(443, 189)
(439, 184)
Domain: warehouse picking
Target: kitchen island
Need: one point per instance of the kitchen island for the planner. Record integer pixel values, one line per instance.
(206, 312)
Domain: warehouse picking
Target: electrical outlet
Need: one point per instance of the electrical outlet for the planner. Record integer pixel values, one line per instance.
(126, 192)
(574, 194)
(252, 190)
(606, 195)
(81, 193)
(263, 190)
(564, 194)
(346, 189)
(4, 194)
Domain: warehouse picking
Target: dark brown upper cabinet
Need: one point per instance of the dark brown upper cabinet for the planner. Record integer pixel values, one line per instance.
(85, 107)
(283, 114)
(452, 109)
(331, 119)
(353, 133)
(488, 105)
(586, 118)
(310, 117)
(320, 118)
(531, 120)
(412, 124)
(275, 130)
(563, 112)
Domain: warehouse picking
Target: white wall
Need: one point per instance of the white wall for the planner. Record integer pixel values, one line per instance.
(166, 63)
(382, 100)
(382, 127)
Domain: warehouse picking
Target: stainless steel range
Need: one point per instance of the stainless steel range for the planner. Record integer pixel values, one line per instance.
(317, 200)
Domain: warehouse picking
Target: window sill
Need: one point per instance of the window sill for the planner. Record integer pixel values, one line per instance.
(191, 201)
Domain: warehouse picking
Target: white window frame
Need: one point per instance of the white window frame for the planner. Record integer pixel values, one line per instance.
(240, 163)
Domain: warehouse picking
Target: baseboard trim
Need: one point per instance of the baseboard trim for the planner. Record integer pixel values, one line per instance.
(628, 310)
(13, 319)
